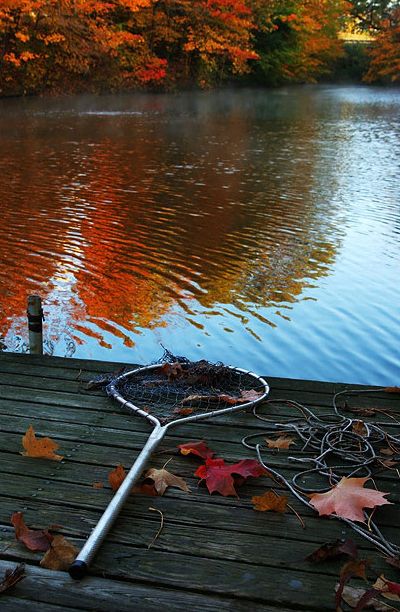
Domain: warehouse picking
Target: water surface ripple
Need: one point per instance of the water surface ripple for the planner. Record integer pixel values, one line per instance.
(260, 228)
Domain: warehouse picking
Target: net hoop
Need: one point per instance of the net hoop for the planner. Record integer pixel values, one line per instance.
(113, 392)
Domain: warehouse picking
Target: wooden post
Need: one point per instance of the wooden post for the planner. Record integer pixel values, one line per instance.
(35, 325)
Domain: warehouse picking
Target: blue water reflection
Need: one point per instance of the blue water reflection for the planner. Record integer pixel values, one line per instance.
(260, 228)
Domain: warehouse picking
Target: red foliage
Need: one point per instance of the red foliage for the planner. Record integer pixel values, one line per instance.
(222, 477)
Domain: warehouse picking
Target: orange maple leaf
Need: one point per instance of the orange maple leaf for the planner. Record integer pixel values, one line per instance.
(347, 499)
(116, 477)
(281, 442)
(42, 448)
(270, 501)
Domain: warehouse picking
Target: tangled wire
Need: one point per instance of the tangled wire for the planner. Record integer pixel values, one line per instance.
(335, 446)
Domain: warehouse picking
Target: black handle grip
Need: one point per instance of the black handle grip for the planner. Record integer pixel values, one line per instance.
(78, 570)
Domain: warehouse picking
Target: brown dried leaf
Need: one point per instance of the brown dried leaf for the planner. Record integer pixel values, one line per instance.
(172, 370)
(354, 568)
(116, 477)
(349, 569)
(183, 411)
(164, 479)
(33, 539)
(387, 451)
(389, 463)
(282, 442)
(97, 485)
(60, 555)
(270, 501)
(11, 577)
(42, 448)
(331, 550)
(359, 428)
(352, 597)
(145, 489)
(388, 589)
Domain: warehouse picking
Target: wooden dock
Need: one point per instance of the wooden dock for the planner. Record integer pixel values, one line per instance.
(214, 553)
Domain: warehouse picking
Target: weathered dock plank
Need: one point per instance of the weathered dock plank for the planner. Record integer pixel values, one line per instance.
(214, 552)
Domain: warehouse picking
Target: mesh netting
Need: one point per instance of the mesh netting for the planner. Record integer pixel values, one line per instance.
(177, 387)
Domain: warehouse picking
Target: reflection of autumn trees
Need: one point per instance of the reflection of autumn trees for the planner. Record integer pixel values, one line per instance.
(121, 227)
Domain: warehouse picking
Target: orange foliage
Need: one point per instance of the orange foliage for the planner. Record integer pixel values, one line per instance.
(385, 52)
(56, 45)
(316, 23)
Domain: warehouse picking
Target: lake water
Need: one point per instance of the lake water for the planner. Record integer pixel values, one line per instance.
(258, 228)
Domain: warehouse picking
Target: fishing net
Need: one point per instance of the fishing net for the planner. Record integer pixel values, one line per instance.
(176, 387)
(168, 393)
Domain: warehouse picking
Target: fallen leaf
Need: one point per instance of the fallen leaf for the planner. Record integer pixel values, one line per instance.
(196, 448)
(347, 499)
(282, 442)
(331, 550)
(388, 463)
(172, 370)
(97, 485)
(60, 555)
(270, 501)
(354, 567)
(387, 451)
(33, 539)
(183, 411)
(145, 489)
(359, 428)
(219, 476)
(163, 479)
(116, 477)
(11, 577)
(349, 569)
(389, 590)
(42, 448)
(353, 597)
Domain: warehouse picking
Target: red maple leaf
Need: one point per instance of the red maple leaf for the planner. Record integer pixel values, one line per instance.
(34, 539)
(196, 448)
(220, 476)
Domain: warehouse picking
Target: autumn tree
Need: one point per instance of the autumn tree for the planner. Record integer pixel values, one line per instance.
(69, 45)
(202, 41)
(299, 41)
(385, 52)
(369, 14)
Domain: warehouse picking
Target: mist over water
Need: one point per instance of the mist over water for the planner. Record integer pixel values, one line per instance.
(259, 228)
